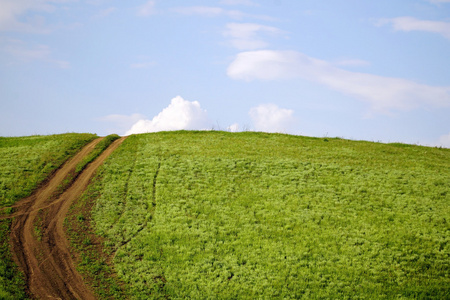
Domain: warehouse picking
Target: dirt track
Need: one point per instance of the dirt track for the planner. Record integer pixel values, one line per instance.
(38, 240)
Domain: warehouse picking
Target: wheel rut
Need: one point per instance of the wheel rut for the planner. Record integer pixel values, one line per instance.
(38, 241)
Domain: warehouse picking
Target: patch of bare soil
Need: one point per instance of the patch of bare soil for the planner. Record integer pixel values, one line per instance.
(38, 241)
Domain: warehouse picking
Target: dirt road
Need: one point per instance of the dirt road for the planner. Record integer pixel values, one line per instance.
(39, 244)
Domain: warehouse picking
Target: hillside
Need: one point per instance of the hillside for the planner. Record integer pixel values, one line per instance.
(25, 164)
(250, 215)
(253, 215)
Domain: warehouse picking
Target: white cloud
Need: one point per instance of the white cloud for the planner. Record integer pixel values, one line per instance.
(24, 52)
(239, 2)
(213, 11)
(244, 36)
(121, 123)
(147, 9)
(444, 141)
(209, 11)
(142, 65)
(11, 10)
(105, 12)
(271, 118)
(233, 127)
(20, 50)
(96, 2)
(352, 63)
(143, 62)
(439, 1)
(382, 93)
(413, 24)
(265, 65)
(180, 114)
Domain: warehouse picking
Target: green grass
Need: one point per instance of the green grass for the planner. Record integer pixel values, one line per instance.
(88, 250)
(251, 215)
(246, 215)
(24, 163)
(99, 148)
(27, 161)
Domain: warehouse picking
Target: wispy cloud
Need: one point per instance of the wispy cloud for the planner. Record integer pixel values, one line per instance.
(209, 11)
(24, 52)
(105, 12)
(382, 93)
(444, 141)
(439, 1)
(142, 65)
(245, 36)
(96, 2)
(239, 2)
(180, 114)
(142, 62)
(12, 12)
(352, 63)
(271, 118)
(147, 9)
(120, 123)
(214, 11)
(413, 24)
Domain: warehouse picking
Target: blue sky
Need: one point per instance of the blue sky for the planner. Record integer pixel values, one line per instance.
(369, 70)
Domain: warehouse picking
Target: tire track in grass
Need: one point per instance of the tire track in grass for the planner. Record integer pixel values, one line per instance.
(130, 173)
(45, 259)
(154, 184)
(152, 212)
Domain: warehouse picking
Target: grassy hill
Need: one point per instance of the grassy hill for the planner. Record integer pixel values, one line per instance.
(25, 162)
(252, 215)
